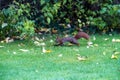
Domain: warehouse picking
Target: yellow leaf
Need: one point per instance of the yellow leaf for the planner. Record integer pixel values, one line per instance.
(48, 51)
(81, 58)
(95, 45)
(70, 44)
(117, 53)
(45, 51)
(113, 56)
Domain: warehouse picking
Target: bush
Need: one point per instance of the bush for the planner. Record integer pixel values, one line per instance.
(14, 20)
(111, 15)
(22, 17)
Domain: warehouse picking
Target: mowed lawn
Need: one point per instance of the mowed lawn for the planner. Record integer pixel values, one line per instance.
(23, 60)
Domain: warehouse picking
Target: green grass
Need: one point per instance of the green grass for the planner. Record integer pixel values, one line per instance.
(33, 65)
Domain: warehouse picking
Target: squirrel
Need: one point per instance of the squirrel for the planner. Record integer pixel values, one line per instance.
(61, 41)
(74, 39)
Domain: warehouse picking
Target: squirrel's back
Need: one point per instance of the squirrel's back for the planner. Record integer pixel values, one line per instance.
(82, 34)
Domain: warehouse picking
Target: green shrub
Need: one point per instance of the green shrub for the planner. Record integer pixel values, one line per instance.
(111, 15)
(57, 14)
(15, 17)
(27, 29)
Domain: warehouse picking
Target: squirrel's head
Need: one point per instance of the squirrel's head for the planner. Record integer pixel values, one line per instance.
(57, 39)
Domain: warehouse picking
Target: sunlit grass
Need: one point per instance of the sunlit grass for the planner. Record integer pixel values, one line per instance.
(61, 63)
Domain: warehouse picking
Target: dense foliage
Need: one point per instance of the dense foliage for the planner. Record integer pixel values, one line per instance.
(24, 17)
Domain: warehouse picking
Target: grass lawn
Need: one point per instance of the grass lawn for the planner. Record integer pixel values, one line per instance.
(23, 60)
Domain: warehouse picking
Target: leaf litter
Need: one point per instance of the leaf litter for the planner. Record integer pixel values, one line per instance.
(81, 58)
(2, 46)
(24, 50)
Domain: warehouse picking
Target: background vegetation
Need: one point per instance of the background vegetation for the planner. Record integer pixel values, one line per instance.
(25, 17)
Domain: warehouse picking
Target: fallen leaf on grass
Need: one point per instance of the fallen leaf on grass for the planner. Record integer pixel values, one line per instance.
(104, 53)
(88, 46)
(36, 38)
(24, 50)
(1, 46)
(9, 40)
(60, 55)
(106, 39)
(45, 51)
(42, 44)
(48, 51)
(3, 41)
(115, 40)
(36, 71)
(90, 43)
(94, 38)
(14, 52)
(76, 49)
(21, 44)
(95, 45)
(116, 53)
(81, 58)
(39, 44)
(114, 56)
(36, 43)
(70, 44)
(97, 63)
